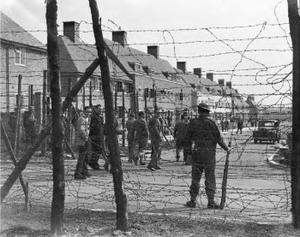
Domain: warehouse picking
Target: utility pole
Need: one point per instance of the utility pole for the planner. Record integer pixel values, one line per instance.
(294, 20)
(58, 196)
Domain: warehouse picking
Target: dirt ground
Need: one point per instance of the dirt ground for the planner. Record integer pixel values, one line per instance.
(257, 201)
(79, 222)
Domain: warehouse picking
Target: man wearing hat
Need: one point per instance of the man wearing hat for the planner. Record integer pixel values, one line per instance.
(204, 134)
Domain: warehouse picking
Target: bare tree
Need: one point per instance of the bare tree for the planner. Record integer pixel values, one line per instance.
(113, 145)
(58, 198)
(294, 19)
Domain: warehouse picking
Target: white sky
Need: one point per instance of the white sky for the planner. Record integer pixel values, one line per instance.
(190, 14)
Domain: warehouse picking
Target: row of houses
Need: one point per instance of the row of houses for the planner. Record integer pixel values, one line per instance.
(154, 82)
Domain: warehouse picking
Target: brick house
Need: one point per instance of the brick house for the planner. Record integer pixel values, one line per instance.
(22, 55)
(150, 73)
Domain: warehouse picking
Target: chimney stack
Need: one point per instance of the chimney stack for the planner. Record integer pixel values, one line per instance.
(221, 82)
(198, 72)
(120, 37)
(182, 66)
(153, 50)
(228, 83)
(210, 76)
(71, 30)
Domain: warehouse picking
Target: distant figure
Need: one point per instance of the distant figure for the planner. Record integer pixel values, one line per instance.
(140, 136)
(155, 131)
(222, 125)
(180, 130)
(81, 124)
(29, 123)
(96, 137)
(239, 125)
(130, 137)
(226, 125)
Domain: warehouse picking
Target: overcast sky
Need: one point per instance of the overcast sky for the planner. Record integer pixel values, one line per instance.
(191, 25)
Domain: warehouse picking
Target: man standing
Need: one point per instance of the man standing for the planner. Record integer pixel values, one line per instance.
(96, 136)
(81, 140)
(129, 126)
(140, 137)
(239, 125)
(29, 123)
(155, 129)
(205, 135)
(180, 130)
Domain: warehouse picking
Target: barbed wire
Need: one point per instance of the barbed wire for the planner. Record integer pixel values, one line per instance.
(170, 188)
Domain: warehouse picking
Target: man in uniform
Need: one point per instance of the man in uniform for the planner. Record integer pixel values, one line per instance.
(81, 124)
(180, 130)
(204, 134)
(140, 137)
(96, 137)
(155, 130)
(129, 126)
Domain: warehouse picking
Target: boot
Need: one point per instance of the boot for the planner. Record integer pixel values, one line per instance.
(191, 204)
(212, 204)
(141, 161)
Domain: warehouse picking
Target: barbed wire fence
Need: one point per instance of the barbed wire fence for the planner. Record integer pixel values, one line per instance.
(255, 189)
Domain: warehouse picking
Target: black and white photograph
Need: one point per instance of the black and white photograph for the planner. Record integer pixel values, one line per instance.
(148, 118)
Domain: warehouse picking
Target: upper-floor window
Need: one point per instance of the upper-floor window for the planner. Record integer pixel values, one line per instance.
(20, 56)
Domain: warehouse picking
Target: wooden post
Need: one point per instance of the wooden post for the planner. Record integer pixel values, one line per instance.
(7, 81)
(83, 97)
(58, 197)
(116, 97)
(44, 108)
(90, 95)
(113, 145)
(294, 20)
(18, 116)
(21, 165)
(14, 160)
(146, 109)
(30, 96)
(123, 118)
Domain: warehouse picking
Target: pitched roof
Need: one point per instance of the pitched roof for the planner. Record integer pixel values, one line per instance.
(12, 32)
(76, 57)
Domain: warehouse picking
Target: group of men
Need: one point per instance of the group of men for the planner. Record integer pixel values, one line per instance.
(89, 140)
(197, 137)
(138, 134)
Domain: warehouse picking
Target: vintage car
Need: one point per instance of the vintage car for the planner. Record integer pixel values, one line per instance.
(267, 130)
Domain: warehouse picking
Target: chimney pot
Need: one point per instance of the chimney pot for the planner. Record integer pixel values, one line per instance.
(221, 82)
(198, 72)
(228, 83)
(182, 66)
(210, 76)
(153, 50)
(120, 37)
(71, 30)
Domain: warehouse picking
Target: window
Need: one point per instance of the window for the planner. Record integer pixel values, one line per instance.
(119, 86)
(130, 88)
(20, 56)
